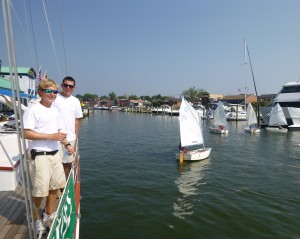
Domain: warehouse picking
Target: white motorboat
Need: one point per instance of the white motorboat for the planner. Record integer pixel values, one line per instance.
(191, 134)
(219, 125)
(289, 100)
(235, 112)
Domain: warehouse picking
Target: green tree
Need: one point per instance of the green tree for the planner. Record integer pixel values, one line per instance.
(112, 95)
(133, 97)
(79, 97)
(146, 97)
(103, 97)
(193, 94)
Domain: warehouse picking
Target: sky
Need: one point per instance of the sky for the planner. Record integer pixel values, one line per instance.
(150, 47)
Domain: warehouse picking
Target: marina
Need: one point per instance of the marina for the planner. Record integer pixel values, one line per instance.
(141, 168)
(133, 186)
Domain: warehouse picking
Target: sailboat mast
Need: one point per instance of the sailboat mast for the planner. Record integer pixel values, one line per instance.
(258, 113)
(245, 72)
(18, 114)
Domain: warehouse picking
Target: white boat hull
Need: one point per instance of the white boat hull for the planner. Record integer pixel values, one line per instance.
(252, 131)
(195, 155)
(276, 130)
(218, 130)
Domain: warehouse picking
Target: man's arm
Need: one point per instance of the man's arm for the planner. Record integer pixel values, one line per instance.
(33, 135)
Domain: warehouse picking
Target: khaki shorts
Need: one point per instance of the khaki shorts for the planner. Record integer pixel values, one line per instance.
(63, 152)
(46, 173)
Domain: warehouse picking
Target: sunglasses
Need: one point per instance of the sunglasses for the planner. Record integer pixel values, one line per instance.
(68, 86)
(51, 91)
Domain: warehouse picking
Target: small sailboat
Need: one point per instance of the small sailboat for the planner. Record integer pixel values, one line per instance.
(191, 134)
(219, 125)
(277, 120)
(251, 121)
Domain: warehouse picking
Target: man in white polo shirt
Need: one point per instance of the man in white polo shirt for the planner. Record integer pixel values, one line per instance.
(70, 112)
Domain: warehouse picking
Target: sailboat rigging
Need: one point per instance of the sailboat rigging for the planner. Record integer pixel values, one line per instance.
(253, 79)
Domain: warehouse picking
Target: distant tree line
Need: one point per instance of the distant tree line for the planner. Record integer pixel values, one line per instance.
(192, 94)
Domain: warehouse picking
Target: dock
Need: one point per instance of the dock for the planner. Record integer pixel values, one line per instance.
(13, 221)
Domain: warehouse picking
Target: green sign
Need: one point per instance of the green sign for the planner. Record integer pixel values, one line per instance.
(63, 225)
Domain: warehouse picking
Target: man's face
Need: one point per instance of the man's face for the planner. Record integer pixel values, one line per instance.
(67, 88)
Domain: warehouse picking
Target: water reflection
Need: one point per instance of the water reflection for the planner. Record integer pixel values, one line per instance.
(188, 182)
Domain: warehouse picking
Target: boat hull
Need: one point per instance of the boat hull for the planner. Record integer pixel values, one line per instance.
(252, 131)
(195, 155)
(218, 130)
(276, 130)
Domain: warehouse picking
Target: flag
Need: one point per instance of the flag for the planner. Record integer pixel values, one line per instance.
(40, 75)
(45, 76)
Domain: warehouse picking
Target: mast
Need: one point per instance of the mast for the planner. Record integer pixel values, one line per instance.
(245, 72)
(257, 107)
(18, 114)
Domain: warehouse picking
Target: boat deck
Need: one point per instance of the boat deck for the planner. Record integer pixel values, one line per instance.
(13, 222)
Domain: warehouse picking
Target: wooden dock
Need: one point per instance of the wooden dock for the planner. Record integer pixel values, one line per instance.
(13, 221)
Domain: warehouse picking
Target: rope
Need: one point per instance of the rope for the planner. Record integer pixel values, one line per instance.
(62, 35)
(52, 39)
(33, 35)
(20, 24)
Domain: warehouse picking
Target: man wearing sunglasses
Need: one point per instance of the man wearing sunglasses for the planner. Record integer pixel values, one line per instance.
(42, 130)
(70, 112)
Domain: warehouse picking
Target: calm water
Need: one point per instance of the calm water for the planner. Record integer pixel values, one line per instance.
(133, 187)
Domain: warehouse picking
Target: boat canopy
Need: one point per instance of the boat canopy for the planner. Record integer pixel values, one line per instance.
(25, 71)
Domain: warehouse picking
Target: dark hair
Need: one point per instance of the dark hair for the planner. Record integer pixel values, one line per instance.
(69, 78)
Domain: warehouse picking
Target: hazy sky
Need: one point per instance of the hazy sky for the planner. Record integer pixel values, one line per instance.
(149, 47)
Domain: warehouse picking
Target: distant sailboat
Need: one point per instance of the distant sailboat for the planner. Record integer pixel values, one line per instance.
(251, 120)
(219, 125)
(277, 120)
(191, 134)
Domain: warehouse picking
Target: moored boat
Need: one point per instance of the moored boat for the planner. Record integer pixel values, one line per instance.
(289, 100)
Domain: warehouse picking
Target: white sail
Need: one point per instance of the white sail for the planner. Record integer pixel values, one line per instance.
(277, 116)
(190, 125)
(220, 116)
(251, 116)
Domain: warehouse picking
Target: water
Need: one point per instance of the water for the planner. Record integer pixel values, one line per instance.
(133, 187)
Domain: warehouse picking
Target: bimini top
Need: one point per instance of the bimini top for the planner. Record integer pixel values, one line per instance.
(22, 71)
(5, 89)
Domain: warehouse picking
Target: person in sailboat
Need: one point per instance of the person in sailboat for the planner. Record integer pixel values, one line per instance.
(70, 112)
(42, 130)
(183, 149)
